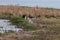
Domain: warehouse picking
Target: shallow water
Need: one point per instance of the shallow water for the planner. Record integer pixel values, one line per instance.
(5, 26)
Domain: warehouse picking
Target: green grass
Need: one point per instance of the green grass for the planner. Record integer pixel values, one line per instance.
(30, 27)
(19, 21)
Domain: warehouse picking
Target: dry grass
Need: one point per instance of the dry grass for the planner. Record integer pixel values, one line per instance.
(29, 10)
(34, 35)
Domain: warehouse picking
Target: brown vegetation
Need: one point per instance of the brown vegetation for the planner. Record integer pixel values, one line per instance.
(33, 11)
(33, 35)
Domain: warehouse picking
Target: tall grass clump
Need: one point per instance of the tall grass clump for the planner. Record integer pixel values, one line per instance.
(22, 23)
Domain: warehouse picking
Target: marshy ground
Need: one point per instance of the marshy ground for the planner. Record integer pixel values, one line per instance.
(47, 29)
(46, 24)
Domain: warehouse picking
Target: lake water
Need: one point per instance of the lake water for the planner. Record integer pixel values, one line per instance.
(6, 26)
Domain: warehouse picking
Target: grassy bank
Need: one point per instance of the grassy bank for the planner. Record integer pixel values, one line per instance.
(47, 28)
(19, 21)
